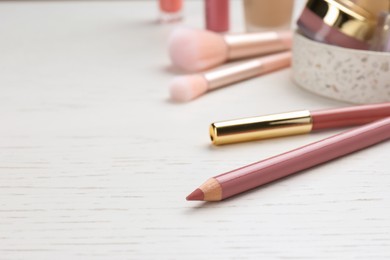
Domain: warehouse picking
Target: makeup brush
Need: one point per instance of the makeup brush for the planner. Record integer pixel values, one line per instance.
(196, 50)
(185, 88)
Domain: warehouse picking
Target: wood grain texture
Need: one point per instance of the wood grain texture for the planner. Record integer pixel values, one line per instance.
(95, 162)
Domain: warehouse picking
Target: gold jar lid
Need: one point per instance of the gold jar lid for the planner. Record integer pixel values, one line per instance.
(345, 16)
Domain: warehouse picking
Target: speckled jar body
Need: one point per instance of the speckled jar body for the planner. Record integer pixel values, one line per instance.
(354, 76)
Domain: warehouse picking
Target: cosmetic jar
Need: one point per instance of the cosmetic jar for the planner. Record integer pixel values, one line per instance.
(337, 22)
(355, 76)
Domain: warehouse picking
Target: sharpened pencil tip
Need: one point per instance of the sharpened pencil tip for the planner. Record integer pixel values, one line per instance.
(196, 195)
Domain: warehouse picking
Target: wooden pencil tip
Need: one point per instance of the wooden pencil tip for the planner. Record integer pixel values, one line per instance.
(196, 195)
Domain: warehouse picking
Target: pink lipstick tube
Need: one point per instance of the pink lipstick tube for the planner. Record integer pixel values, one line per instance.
(217, 15)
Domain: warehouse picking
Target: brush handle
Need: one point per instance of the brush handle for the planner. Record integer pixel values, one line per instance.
(247, 69)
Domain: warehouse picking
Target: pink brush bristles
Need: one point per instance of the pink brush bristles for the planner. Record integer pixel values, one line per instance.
(196, 50)
(186, 88)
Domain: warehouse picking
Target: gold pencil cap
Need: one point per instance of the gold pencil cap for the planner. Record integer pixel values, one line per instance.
(261, 127)
(345, 16)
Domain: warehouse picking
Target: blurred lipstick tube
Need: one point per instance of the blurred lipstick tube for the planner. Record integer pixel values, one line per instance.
(170, 10)
(217, 15)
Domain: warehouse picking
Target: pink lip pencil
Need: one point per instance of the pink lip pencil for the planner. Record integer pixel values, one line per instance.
(248, 177)
(185, 88)
(293, 123)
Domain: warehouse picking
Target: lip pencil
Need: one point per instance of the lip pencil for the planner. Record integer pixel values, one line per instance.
(293, 123)
(251, 176)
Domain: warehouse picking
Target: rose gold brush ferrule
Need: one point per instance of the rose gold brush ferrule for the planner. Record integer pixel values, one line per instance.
(261, 127)
(236, 72)
(256, 44)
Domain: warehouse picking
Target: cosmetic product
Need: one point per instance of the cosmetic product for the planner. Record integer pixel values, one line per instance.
(381, 41)
(293, 123)
(170, 10)
(217, 15)
(354, 76)
(373, 6)
(185, 88)
(337, 22)
(261, 15)
(254, 175)
(196, 50)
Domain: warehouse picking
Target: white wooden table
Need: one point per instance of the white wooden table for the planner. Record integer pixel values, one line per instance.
(95, 162)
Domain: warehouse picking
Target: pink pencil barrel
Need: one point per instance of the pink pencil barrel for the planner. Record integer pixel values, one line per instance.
(262, 172)
(348, 116)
